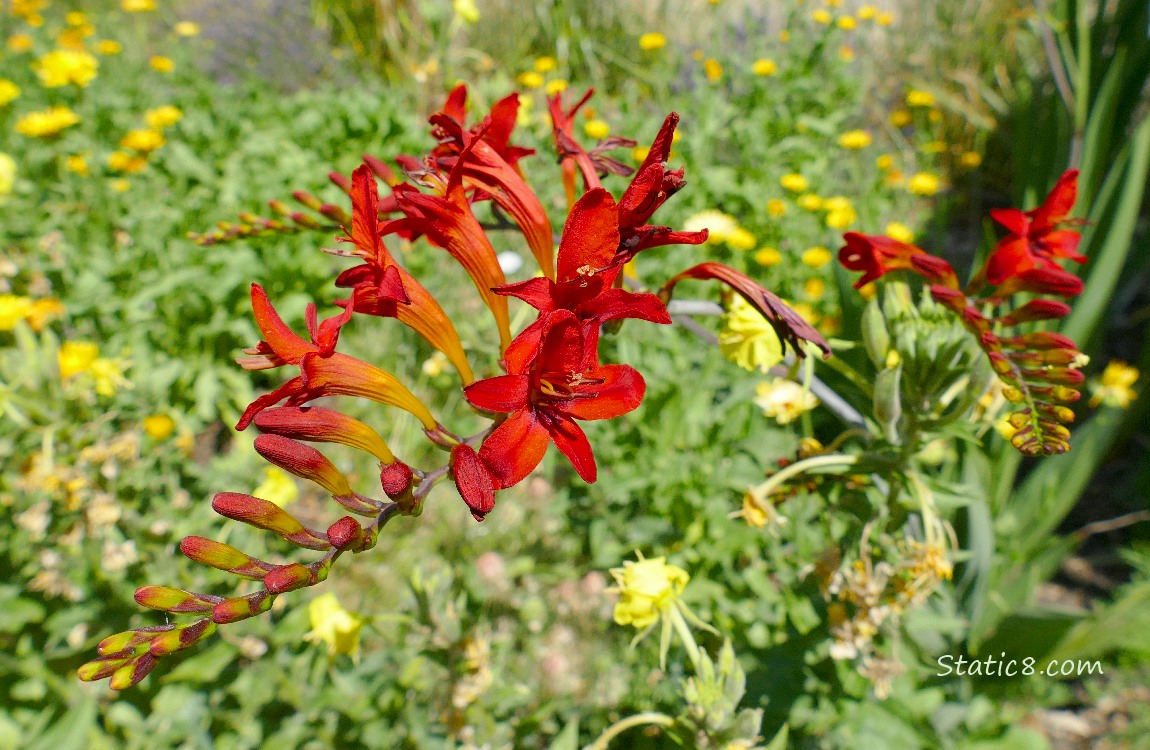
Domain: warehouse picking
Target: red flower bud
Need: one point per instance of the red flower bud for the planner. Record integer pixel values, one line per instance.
(289, 578)
(303, 461)
(396, 478)
(346, 534)
(269, 516)
(181, 637)
(132, 672)
(175, 600)
(242, 607)
(1035, 309)
(223, 557)
(473, 480)
(1039, 340)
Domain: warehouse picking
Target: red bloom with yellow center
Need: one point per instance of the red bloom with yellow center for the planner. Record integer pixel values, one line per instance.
(1036, 237)
(544, 392)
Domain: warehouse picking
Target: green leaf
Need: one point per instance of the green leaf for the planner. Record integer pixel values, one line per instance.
(204, 667)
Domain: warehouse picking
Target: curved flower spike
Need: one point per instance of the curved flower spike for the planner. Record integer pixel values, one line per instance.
(281, 346)
(788, 324)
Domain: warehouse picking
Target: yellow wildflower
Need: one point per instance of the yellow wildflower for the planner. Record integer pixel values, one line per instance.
(796, 183)
(764, 67)
(466, 10)
(46, 122)
(816, 257)
(836, 203)
(333, 625)
(970, 159)
(554, 87)
(884, 162)
(161, 64)
(747, 339)
(66, 66)
(597, 129)
(647, 590)
(162, 117)
(122, 161)
(884, 19)
(855, 139)
(1113, 388)
(919, 98)
(776, 208)
(822, 16)
(75, 18)
(846, 53)
(109, 376)
(814, 288)
(530, 80)
(187, 29)
(435, 365)
(76, 164)
(109, 47)
(144, 141)
(7, 175)
(809, 202)
(741, 239)
(934, 115)
(19, 42)
(720, 225)
(277, 488)
(159, 426)
(768, 256)
(899, 231)
(120, 185)
(713, 69)
(42, 311)
(924, 183)
(652, 40)
(783, 400)
(13, 309)
(75, 357)
(933, 147)
(867, 12)
(841, 218)
(639, 153)
(73, 38)
(784, 36)
(900, 118)
(759, 512)
(545, 64)
(868, 291)
(846, 22)
(137, 6)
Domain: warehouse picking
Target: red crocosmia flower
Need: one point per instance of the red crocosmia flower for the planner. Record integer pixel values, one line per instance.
(878, 255)
(473, 480)
(585, 275)
(1036, 238)
(495, 129)
(382, 287)
(592, 164)
(788, 325)
(544, 393)
(484, 169)
(449, 223)
(323, 371)
(652, 185)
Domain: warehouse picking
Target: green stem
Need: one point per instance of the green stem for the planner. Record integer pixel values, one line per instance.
(814, 462)
(848, 372)
(647, 718)
(685, 635)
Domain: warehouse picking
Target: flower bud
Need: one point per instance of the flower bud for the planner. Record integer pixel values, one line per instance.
(335, 213)
(101, 668)
(132, 672)
(951, 299)
(1039, 340)
(888, 402)
(396, 479)
(303, 461)
(1036, 309)
(346, 534)
(269, 516)
(1056, 375)
(289, 578)
(305, 221)
(307, 199)
(242, 607)
(174, 600)
(182, 637)
(223, 557)
(313, 424)
(473, 480)
(876, 337)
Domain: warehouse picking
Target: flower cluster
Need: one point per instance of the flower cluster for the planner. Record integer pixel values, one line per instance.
(1039, 369)
(552, 375)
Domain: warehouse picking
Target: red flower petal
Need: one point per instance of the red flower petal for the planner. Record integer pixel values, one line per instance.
(590, 236)
(514, 448)
(572, 442)
(1058, 204)
(473, 480)
(503, 393)
(620, 391)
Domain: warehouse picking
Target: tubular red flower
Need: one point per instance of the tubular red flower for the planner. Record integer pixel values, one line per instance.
(878, 255)
(565, 382)
(1035, 237)
(318, 425)
(1041, 281)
